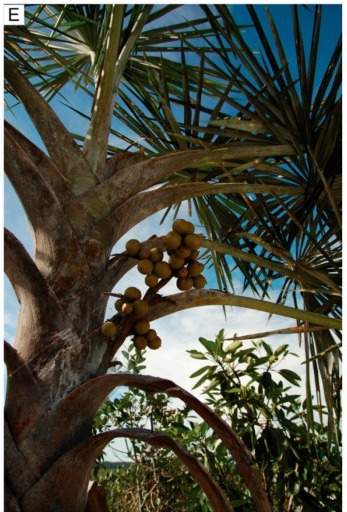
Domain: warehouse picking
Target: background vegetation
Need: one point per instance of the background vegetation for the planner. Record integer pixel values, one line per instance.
(248, 384)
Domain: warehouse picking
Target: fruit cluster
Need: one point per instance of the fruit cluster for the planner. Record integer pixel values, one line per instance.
(130, 303)
(182, 246)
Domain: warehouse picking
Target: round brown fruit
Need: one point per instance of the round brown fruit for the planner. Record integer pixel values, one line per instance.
(184, 283)
(162, 269)
(156, 254)
(182, 272)
(172, 240)
(194, 255)
(183, 226)
(132, 247)
(144, 254)
(195, 268)
(193, 241)
(183, 252)
(145, 267)
(154, 344)
(140, 342)
(141, 326)
(140, 307)
(176, 262)
(151, 280)
(199, 282)
(109, 329)
(127, 308)
(118, 305)
(151, 334)
(132, 293)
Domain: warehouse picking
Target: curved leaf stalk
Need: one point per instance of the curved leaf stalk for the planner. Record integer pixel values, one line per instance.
(23, 388)
(298, 329)
(212, 490)
(95, 144)
(146, 203)
(88, 397)
(97, 498)
(39, 305)
(61, 146)
(51, 178)
(50, 492)
(127, 182)
(52, 253)
(14, 460)
(195, 298)
(115, 61)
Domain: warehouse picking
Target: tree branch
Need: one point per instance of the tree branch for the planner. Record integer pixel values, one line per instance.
(88, 397)
(146, 203)
(115, 61)
(52, 489)
(136, 178)
(40, 312)
(121, 263)
(58, 253)
(23, 389)
(196, 298)
(61, 146)
(51, 176)
(211, 489)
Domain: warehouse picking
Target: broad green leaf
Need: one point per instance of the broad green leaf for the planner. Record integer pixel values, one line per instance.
(214, 383)
(204, 378)
(280, 350)
(267, 348)
(210, 346)
(195, 354)
(201, 371)
(290, 376)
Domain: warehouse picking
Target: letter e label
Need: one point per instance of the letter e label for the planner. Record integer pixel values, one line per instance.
(13, 14)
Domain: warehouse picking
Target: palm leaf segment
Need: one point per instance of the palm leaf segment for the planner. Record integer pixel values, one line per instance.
(210, 82)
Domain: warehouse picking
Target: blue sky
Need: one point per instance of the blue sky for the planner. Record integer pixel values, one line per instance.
(181, 331)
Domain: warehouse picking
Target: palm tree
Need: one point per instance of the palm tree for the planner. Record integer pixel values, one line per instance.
(238, 136)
